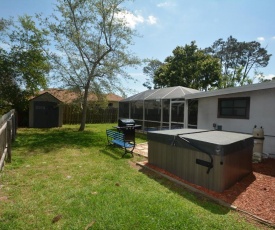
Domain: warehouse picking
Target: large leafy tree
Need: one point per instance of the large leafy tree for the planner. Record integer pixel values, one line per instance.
(238, 59)
(92, 39)
(23, 63)
(150, 70)
(11, 96)
(190, 67)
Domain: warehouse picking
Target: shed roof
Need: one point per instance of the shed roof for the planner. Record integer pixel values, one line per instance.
(163, 93)
(233, 90)
(68, 96)
(46, 94)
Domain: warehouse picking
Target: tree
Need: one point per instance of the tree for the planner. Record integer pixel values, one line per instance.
(238, 59)
(23, 65)
(189, 67)
(150, 70)
(4, 24)
(9, 89)
(92, 39)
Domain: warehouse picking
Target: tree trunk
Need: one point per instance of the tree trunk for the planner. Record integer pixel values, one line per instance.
(84, 110)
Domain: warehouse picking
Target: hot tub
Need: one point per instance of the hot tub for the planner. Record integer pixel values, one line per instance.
(213, 159)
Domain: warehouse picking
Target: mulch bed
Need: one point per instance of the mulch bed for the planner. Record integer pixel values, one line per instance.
(254, 194)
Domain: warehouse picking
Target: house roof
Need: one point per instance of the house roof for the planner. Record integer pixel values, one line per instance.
(163, 93)
(233, 90)
(68, 96)
(43, 94)
(113, 97)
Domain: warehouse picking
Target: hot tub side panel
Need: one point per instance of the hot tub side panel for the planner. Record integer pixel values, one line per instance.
(182, 163)
(236, 166)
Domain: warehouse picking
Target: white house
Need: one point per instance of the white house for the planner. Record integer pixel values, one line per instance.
(239, 109)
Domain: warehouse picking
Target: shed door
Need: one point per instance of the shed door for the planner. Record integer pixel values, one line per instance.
(46, 114)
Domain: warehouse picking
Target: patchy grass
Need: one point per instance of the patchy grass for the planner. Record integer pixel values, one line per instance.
(64, 179)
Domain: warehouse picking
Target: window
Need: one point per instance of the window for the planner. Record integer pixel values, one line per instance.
(40, 107)
(234, 107)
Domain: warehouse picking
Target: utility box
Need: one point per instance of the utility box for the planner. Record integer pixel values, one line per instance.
(258, 135)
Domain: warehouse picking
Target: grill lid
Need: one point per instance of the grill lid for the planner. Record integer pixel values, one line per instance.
(125, 122)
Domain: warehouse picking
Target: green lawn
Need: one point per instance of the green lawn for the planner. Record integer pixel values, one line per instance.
(76, 180)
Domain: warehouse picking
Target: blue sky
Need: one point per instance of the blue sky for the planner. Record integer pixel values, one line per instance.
(163, 25)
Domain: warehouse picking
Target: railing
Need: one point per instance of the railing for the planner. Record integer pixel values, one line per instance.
(8, 128)
(148, 125)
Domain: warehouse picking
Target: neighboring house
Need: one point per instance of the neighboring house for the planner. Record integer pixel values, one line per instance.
(46, 109)
(71, 97)
(239, 109)
(113, 100)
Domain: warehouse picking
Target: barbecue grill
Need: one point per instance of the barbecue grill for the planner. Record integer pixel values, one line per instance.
(124, 122)
(128, 127)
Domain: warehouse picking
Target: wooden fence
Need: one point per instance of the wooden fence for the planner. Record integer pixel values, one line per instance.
(8, 128)
(72, 115)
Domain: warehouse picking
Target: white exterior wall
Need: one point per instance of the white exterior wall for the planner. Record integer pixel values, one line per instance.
(262, 113)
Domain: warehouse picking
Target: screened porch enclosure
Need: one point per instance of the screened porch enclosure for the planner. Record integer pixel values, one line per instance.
(160, 109)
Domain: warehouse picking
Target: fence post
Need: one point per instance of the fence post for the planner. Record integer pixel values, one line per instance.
(9, 137)
(8, 127)
(13, 126)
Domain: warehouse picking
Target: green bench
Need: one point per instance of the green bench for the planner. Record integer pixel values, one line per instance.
(117, 138)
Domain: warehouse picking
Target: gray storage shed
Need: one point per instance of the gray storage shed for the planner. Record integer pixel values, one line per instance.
(45, 111)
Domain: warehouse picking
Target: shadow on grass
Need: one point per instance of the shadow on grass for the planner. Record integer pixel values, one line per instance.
(115, 152)
(46, 140)
(195, 198)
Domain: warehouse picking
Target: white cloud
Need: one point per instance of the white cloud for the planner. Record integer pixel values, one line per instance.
(269, 76)
(260, 39)
(165, 4)
(152, 20)
(130, 19)
(264, 77)
(273, 38)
